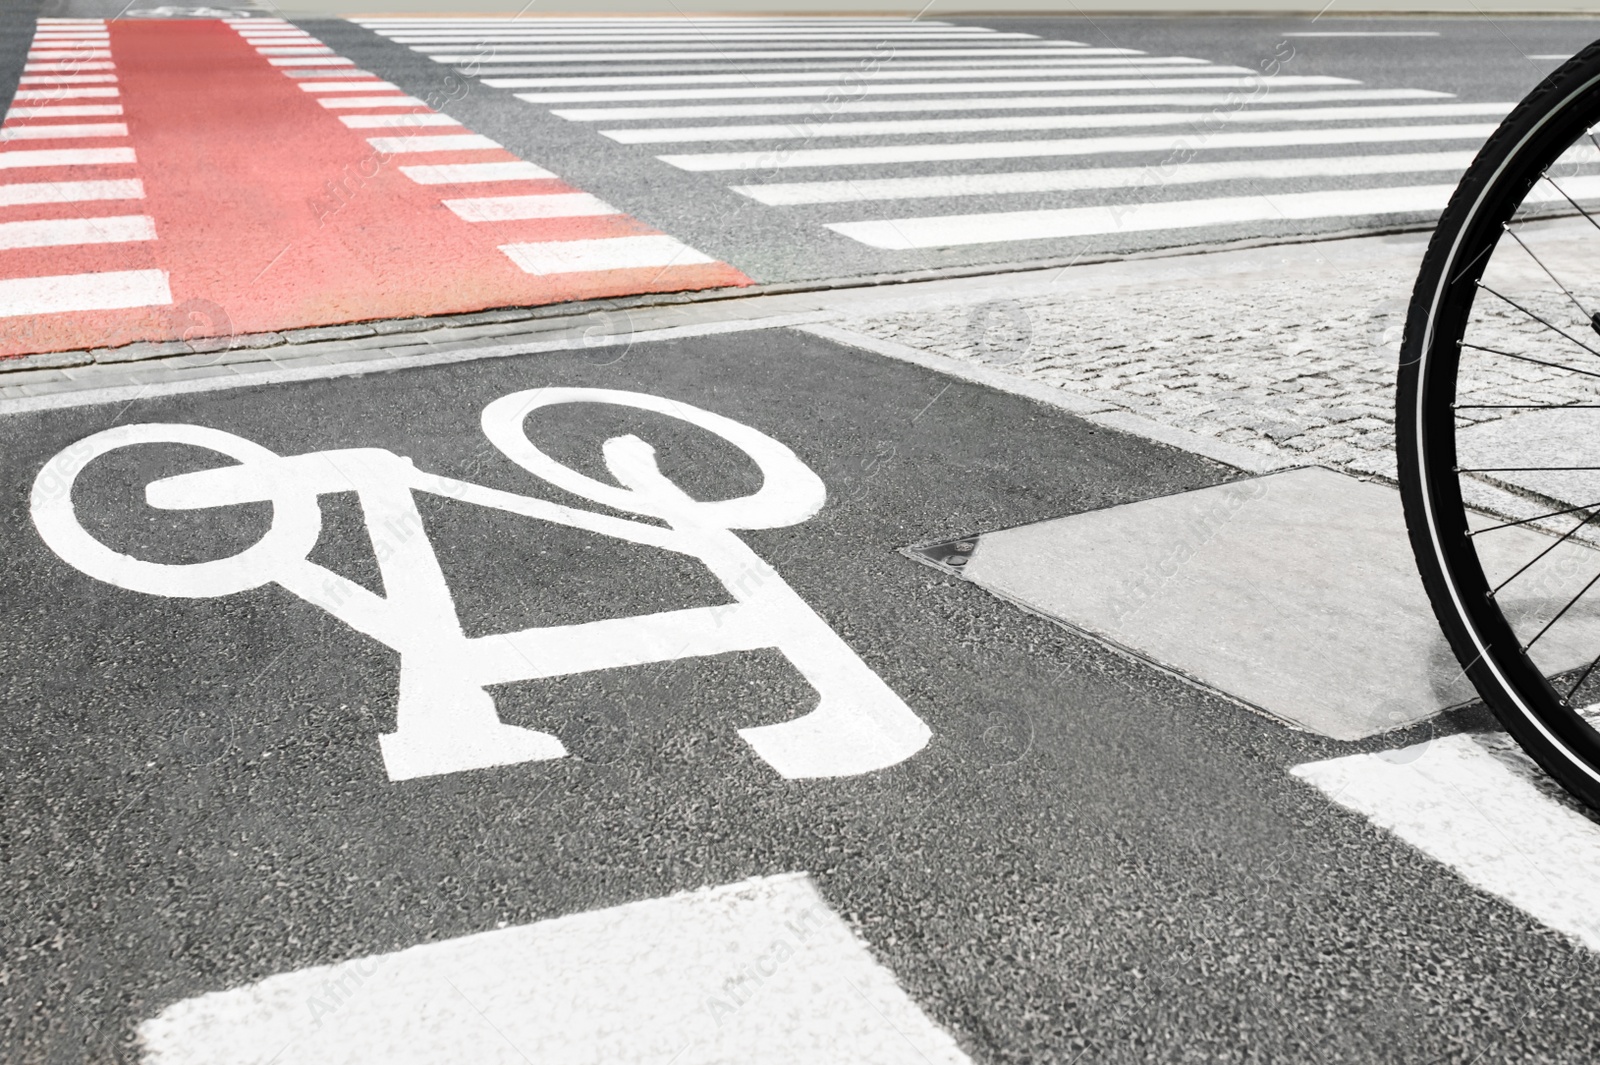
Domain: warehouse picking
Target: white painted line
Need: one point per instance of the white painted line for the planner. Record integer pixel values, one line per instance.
(70, 191)
(1472, 810)
(83, 292)
(401, 121)
(906, 233)
(1133, 79)
(40, 157)
(293, 50)
(609, 20)
(512, 208)
(66, 79)
(921, 153)
(990, 103)
(1559, 57)
(950, 230)
(480, 61)
(1110, 177)
(1365, 33)
(847, 80)
(712, 45)
(347, 86)
(371, 101)
(615, 253)
(66, 68)
(66, 92)
(65, 130)
(467, 173)
(330, 61)
(66, 111)
(758, 971)
(57, 232)
(1014, 123)
(440, 41)
(452, 142)
(70, 53)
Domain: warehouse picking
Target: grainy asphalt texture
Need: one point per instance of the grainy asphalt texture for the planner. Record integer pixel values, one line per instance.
(1090, 857)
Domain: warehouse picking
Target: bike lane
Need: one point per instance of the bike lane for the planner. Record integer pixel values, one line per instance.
(227, 179)
(213, 850)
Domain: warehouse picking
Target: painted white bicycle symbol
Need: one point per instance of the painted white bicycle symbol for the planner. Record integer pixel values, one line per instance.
(445, 721)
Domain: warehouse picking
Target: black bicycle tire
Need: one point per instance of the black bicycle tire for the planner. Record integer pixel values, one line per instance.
(1532, 137)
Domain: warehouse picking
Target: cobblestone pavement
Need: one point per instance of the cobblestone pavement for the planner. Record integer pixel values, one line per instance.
(1298, 366)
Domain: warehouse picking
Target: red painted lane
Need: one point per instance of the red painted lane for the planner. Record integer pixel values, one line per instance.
(267, 207)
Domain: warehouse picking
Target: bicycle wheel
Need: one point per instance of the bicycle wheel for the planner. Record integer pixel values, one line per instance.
(1498, 423)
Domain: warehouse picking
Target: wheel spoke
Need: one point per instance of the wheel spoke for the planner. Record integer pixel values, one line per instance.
(1570, 603)
(1536, 517)
(1585, 676)
(1530, 358)
(1588, 316)
(1563, 539)
(1541, 321)
(1569, 199)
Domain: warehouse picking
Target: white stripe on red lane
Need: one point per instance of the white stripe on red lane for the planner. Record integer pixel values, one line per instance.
(296, 218)
(110, 291)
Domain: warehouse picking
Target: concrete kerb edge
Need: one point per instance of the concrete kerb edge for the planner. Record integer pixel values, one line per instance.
(724, 297)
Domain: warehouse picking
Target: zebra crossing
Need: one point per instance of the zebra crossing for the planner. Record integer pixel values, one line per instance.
(71, 230)
(911, 135)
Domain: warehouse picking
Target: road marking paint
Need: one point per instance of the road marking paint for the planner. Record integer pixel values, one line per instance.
(55, 232)
(348, 86)
(71, 53)
(66, 68)
(514, 47)
(391, 121)
(70, 191)
(1095, 81)
(905, 233)
(371, 101)
(919, 153)
(67, 111)
(1560, 57)
(1132, 177)
(762, 970)
(1484, 816)
(1364, 33)
(479, 61)
(110, 291)
(511, 208)
(65, 92)
(66, 130)
(320, 49)
(450, 142)
(445, 720)
(65, 79)
(851, 78)
(466, 173)
(1013, 123)
(444, 41)
(40, 157)
(329, 61)
(615, 253)
(992, 103)
(339, 230)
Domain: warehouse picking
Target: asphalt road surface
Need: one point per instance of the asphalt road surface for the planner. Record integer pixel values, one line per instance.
(352, 710)
(280, 175)
(1065, 853)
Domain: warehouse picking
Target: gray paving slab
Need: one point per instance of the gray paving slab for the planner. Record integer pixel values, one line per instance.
(1295, 593)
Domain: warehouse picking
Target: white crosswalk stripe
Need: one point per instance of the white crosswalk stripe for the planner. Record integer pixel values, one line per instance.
(1234, 147)
(38, 246)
